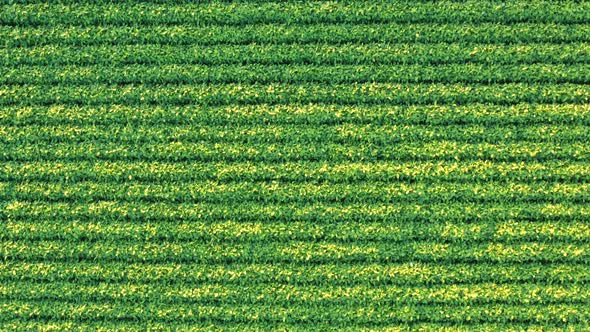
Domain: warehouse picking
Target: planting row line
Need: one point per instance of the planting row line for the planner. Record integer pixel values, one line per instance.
(507, 232)
(297, 172)
(207, 152)
(343, 94)
(300, 193)
(295, 252)
(321, 213)
(483, 33)
(198, 74)
(280, 313)
(379, 134)
(17, 324)
(339, 274)
(317, 54)
(488, 115)
(312, 12)
(296, 295)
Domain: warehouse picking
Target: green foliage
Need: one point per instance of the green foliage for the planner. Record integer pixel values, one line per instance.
(299, 166)
(302, 54)
(480, 33)
(334, 74)
(267, 12)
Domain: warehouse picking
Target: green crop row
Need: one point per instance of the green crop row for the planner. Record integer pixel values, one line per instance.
(344, 94)
(341, 232)
(316, 172)
(304, 193)
(301, 314)
(380, 134)
(311, 12)
(191, 74)
(317, 54)
(297, 295)
(343, 274)
(321, 115)
(207, 152)
(133, 326)
(295, 252)
(483, 33)
(321, 213)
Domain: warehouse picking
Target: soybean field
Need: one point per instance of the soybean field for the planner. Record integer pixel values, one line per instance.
(388, 165)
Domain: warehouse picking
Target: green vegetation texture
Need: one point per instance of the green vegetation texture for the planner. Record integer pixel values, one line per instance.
(387, 165)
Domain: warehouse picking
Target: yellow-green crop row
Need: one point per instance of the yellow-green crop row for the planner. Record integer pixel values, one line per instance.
(297, 192)
(311, 12)
(45, 229)
(371, 315)
(197, 74)
(483, 33)
(401, 274)
(322, 213)
(299, 54)
(315, 172)
(283, 93)
(295, 252)
(297, 295)
(236, 116)
(293, 133)
(209, 152)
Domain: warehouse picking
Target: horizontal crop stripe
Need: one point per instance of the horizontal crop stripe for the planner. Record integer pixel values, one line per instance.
(404, 274)
(304, 133)
(354, 94)
(282, 252)
(559, 313)
(301, 193)
(295, 172)
(298, 54)
(244, 13)
(352, 296)
(318, 212)
(521, 115)
(208, 152)
(187, 74)
(518, 33)
(16, 324)
(244, 232)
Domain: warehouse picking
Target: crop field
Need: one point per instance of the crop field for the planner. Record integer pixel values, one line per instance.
(388, 165)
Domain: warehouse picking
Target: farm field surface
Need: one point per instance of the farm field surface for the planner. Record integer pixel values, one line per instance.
(388, 165)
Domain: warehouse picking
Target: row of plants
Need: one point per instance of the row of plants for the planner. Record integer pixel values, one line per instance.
(461, 52)
(32, 13)
(482, 33)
